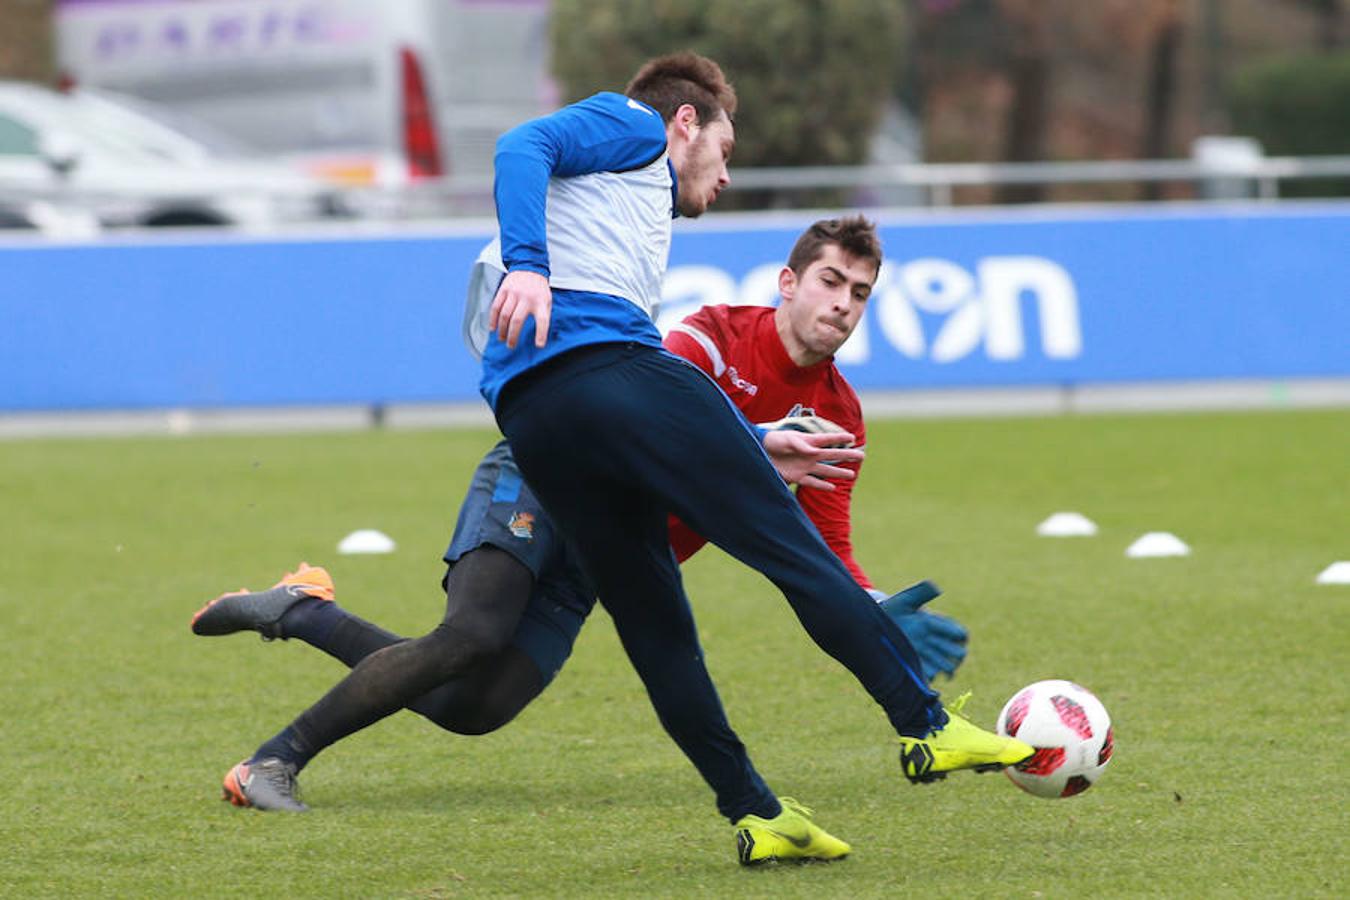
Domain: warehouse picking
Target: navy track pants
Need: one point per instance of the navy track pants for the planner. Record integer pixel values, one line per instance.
(612, 438)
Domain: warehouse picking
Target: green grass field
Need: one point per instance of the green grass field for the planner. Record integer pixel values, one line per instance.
(1225, 673)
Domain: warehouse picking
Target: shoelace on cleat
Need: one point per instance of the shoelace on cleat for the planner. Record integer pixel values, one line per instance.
(958, 706)
(788, 803)
(282, 778)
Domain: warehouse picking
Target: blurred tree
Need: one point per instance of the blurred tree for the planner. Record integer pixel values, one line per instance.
(988, 79)
(26, 40)
(1027, 63)
(1330, 33)
(1111, 79)
(1297, 106)
(812, 75)
(1167, 27)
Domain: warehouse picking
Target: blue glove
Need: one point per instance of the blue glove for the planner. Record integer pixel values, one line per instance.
(940, 641)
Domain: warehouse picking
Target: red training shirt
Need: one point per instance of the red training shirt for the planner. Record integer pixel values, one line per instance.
(739, 347)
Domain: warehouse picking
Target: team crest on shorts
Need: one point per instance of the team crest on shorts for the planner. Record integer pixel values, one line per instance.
(522, 525)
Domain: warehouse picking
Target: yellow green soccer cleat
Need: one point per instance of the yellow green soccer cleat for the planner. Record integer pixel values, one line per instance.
(960, 744)
(790, 835)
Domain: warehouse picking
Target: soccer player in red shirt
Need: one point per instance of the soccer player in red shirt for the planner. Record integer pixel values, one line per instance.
(778, 363)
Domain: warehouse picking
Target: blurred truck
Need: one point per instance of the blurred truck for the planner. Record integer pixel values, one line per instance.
(78, 161)
(373, 93)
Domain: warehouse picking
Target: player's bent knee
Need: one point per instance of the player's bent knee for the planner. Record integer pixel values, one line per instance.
(487, 696)
(470, 643)
(470, 715)
(472, 723)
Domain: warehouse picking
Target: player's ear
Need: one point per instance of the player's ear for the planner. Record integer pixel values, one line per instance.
(787, 283)
(685, 121)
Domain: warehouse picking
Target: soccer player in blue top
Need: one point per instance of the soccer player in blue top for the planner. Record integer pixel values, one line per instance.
(613, 433)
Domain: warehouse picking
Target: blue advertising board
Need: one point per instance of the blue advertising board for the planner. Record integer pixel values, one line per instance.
(1028, 297)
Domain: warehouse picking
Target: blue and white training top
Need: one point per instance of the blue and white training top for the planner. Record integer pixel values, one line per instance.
(585, 196)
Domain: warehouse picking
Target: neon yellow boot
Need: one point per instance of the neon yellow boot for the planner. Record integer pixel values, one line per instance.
(960, 744)
(790, 835)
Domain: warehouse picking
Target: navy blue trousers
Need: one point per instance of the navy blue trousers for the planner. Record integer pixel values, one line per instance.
(614, 437)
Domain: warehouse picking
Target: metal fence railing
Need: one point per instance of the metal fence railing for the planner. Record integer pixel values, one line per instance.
(75, 204)
(934, 184)
(1261, 176)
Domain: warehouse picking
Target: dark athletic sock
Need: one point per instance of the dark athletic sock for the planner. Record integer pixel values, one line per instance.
(325, 626)
(286, 745)
(312, 620)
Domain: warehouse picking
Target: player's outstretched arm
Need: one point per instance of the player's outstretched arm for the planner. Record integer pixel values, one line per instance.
(811, 460)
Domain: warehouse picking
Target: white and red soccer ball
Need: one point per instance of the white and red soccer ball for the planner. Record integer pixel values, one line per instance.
(1070, 730)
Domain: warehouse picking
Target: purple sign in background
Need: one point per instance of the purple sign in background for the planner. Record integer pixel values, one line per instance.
(115, 32)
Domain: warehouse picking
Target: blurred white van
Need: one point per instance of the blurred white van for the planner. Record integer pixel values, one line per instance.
(82, 160)
(365, 92)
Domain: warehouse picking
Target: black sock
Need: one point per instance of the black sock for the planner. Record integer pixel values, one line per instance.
(287, 746)
(312, 620)
(354, 639)
(328, 627)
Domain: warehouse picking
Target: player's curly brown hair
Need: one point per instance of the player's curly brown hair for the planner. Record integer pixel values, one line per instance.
(668, 82)
(855, 235)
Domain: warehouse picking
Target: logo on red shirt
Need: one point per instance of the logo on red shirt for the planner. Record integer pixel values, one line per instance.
(738, 382)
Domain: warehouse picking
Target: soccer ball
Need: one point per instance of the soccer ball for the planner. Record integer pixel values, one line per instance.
(1070, 730)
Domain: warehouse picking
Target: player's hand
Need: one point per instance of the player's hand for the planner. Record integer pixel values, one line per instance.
(812, 460)
(522, 294)
(939, 640)
(809, 425)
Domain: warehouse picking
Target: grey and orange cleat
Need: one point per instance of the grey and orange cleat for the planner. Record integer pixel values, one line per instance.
(243, 610)
(267, 784)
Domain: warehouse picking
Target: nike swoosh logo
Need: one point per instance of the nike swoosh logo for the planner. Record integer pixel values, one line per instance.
(799, 843)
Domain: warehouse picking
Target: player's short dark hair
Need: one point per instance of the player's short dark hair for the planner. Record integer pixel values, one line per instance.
(855, 235)
(668, 82)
